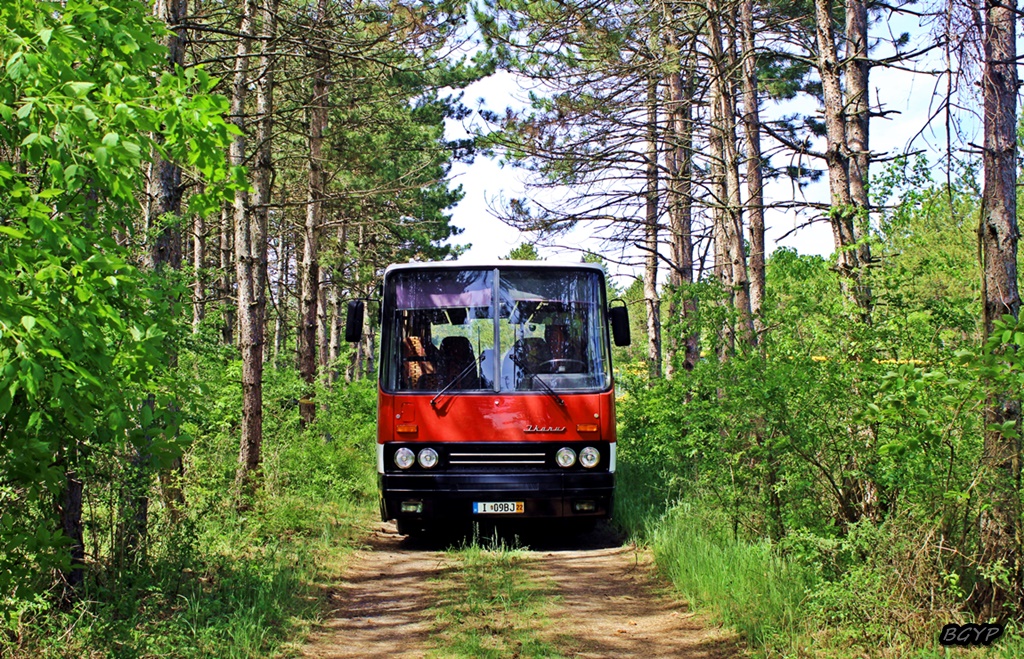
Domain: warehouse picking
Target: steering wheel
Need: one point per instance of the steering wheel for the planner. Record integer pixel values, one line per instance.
(561, 366)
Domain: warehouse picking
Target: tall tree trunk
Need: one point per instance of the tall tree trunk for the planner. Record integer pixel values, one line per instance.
(70, 511)
(369, 340)
(281, 321)
(858, 119)
(653, 302)
(724, 129)
(856, 71)
(679, 161)
(309, 295)
(165, 251)
(251, 243)
(844, 211)
(721, 266)
(225, 286)
(680, 213)
(335, 327)
(1000, 521)
(165, 184)
(755, 185)
(337, 318)
(323, 334)
(198, 263)
(860, 494)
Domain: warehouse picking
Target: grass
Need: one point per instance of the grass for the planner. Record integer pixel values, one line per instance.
(747, 585)
(489, 608)
(641, 499)
(785, 607)
(243, 590)
(221, 583)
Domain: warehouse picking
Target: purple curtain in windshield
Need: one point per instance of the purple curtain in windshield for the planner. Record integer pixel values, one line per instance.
(435, 290)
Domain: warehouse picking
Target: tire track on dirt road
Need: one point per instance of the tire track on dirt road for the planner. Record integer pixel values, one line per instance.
(381, 610)
(608, 601)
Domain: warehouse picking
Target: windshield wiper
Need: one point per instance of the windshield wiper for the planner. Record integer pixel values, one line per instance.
(534, 377)
(456, 379)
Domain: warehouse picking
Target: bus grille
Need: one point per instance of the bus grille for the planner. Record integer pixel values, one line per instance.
(476, 457)
(493, 457)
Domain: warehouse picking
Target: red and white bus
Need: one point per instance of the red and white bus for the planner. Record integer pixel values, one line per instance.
(495, 392)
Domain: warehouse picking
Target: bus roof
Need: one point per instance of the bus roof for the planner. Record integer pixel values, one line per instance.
(478, 265)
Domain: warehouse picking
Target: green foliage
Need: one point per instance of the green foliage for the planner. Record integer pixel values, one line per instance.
(83, 333)
(632, 357)
(524, 252)
(840, 455)
(218, 583)
(385, 138)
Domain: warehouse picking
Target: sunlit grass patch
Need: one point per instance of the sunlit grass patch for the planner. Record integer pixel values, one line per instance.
(746, 584)
(489, 608)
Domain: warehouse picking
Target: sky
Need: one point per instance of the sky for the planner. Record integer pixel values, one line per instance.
(908, 96)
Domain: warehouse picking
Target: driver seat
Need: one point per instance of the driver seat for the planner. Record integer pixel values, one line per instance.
(528, 355)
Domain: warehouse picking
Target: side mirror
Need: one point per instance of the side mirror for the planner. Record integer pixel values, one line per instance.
(354, 321)
(619, 317)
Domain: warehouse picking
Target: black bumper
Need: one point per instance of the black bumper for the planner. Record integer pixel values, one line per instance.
(444, 497)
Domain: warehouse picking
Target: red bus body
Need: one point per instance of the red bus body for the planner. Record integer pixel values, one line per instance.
(495, 447)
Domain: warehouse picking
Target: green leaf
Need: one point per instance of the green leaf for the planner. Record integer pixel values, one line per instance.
(80, 88)
(28, 322)
(12, 232)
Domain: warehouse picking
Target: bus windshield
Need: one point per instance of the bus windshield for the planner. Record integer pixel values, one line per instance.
(494, 330)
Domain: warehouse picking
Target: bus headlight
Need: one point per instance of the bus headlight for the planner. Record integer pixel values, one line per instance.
(589, 457)
(565, 457)
(427, 458)
(404, 458)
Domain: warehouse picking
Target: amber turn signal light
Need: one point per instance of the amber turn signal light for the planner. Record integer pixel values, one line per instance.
(406, 427)
(586, 427)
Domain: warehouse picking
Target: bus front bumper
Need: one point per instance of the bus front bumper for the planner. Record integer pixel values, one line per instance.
(450, 497)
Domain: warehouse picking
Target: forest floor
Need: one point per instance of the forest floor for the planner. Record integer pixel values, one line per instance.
(596, 597)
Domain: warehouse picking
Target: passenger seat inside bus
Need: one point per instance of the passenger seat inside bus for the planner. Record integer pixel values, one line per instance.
(456, 357)
(418, 370)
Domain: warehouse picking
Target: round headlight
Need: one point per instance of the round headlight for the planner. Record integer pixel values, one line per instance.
(589, 457)
(565, 457)
(404, 458)
(427, 458)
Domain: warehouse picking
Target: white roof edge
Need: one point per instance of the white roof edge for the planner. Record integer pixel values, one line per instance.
(431, 265)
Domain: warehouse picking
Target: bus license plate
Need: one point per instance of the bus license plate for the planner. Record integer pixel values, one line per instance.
(506, 507)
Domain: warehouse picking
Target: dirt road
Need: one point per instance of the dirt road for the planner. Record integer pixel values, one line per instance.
(606, 602)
